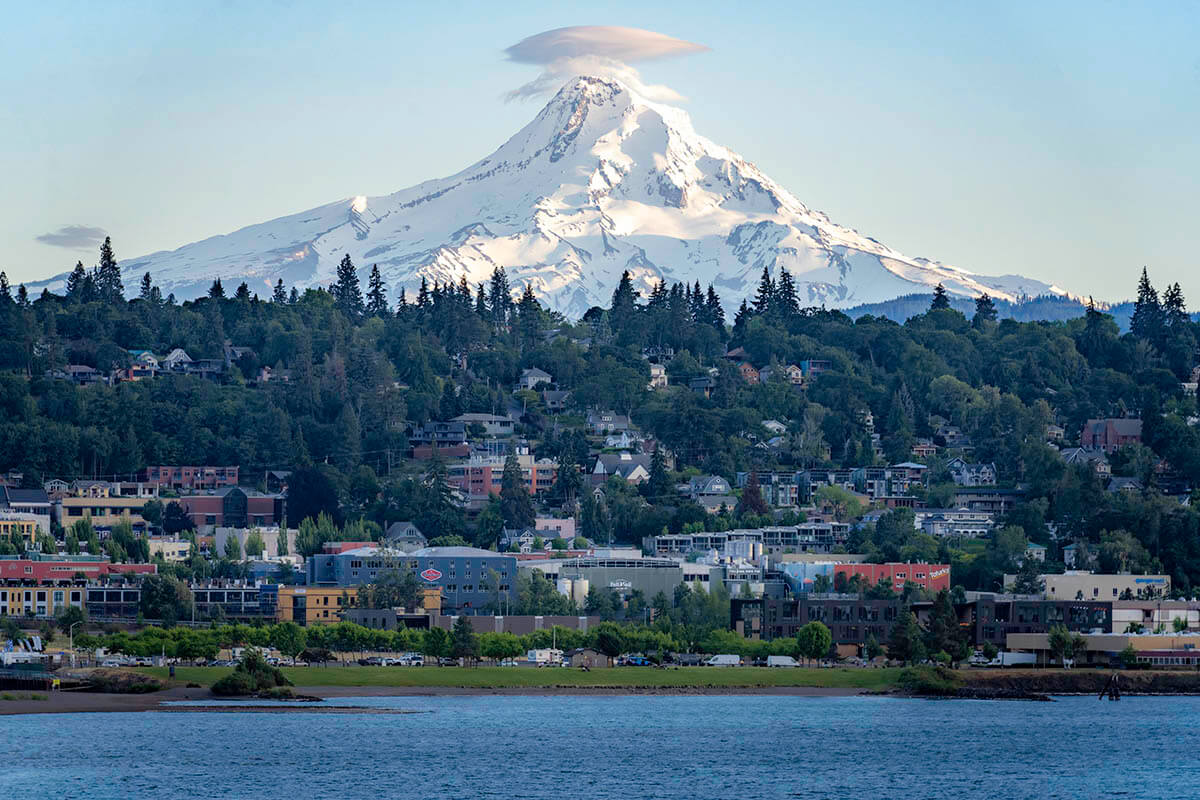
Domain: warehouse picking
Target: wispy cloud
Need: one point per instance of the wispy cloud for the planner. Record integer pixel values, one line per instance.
(74, 237)
(604, 50)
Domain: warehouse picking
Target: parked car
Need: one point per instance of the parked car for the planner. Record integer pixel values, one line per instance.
(781, 661)
(689, 659)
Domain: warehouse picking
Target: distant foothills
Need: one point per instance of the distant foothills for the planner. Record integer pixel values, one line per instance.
(383, 404)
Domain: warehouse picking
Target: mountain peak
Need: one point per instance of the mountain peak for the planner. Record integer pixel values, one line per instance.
(600, 182)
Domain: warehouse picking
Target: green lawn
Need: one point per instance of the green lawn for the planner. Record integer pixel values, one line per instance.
(517, 677)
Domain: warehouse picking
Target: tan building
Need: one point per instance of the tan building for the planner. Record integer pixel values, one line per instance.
(1170, 649)
(103, 510)
(18, 526)
(313, 605)
(172, 550)
(1077, 585)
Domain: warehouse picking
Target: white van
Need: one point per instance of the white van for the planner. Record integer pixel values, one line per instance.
(781, 661)
(724, 660)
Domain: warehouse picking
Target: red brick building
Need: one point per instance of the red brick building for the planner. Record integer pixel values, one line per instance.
(22, 571)
(234, 507)
(191, 478)
(933, 577)
(1110, 435)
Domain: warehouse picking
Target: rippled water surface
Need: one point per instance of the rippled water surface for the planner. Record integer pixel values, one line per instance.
(619, 747)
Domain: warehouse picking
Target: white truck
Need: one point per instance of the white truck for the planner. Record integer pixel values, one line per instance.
(781, 661)
(1007, 659)
(724, 660)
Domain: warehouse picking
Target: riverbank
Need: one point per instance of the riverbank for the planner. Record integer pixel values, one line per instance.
(625, 679)
(343, 682)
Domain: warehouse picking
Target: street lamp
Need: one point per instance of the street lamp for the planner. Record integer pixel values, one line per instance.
(71, 633)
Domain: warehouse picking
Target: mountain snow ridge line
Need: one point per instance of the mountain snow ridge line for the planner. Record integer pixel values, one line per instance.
(600, 182)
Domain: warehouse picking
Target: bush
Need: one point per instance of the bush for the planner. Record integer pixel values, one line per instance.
(929, 680)
(251, 676)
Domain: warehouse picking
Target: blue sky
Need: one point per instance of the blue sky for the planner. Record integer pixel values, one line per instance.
(1060, 141)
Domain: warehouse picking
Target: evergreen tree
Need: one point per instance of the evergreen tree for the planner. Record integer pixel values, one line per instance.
(714, 312)
(658, 488)
(293, 297)
(22, 296)
(147, 289)
(216, 291)
(529, 317)
(740, 320)
(76, 281)
(624, 307)
(941, 300)
(346, 292)
(985, 310)
(764, 298)
(515, 504)
(785, 295)
(5, 289)
(500, 297)
(243, 291)
(377, 304)
(1174, 308)
(279, 294)
(481, 304)
(1146, 322)
(423, 296)
(108, 274)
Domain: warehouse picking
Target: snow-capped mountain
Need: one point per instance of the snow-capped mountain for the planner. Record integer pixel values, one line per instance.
(601, 181)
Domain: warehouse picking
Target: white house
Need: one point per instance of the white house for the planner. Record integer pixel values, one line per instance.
(530, 378)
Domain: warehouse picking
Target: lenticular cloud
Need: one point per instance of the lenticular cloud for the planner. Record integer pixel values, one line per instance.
(596, 50)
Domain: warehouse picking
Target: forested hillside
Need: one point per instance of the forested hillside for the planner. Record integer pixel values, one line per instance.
(350, 367)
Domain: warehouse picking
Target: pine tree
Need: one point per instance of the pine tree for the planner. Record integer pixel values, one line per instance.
(481, 306)
(764, 298)
(402, 302)
(785, 295)
(22, 296)
(499, 297)
(346, 292)
(243, 292)
(377, 304)
(985, 310)
(941, 300)
(529, 316)
(5, 289)
(714, 312)
(1174, 308)
(279, 294)
(216, 291)
(658, 487)
(423, 296)
(740, 320)
(624, 307)
(515, 504)
(293, 297)
(1146, 322)
(147, 289)
(76, 281)
(108, 274)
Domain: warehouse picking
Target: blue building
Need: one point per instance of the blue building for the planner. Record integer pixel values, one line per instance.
(462, 573)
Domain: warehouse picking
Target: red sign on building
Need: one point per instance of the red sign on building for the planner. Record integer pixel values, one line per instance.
(431, 574)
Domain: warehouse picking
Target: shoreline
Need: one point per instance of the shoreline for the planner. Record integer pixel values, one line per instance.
(98, 702)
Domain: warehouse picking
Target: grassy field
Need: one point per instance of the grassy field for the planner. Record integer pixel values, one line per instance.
(519, 677)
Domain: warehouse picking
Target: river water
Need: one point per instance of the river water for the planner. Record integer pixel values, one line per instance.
(619, 747)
